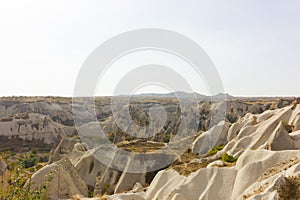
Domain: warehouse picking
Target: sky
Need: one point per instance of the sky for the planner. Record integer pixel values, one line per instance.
(254, 44)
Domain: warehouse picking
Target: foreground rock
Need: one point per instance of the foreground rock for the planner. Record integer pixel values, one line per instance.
(61, 180)
(259, 174)
(217, 135)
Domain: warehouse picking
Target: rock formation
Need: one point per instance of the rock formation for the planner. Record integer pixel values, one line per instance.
(268, 165)
(251, 153)
(61, 180)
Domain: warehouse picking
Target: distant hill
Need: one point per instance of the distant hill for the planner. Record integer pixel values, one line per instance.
(182, 94)
(223, 96)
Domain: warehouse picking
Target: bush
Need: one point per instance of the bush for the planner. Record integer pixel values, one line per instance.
(214, 150)
(38, 166)
(111, 137)
(34, 151)
(167, 138)
(29, 162)
(228, 158)
(44, 159)
(31, 169)
(232, 119)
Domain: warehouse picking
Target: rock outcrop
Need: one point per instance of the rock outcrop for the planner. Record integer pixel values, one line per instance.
(61, 180)
(217, 135)
(117, 175)
(273, 130)
(257, 174)
(32, 130)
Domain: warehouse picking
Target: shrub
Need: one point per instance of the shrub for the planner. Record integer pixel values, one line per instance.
(231, 118)
(167, 138)
(111, 137)
(106, 187)
(38, 166)
(5, 157)
(228, 158)
(44, 159)
(29, 162)
(90, 192)
(31, 169)
(214, 150)
(34, 151)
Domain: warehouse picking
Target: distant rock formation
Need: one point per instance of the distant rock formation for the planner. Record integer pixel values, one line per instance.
(34, 130)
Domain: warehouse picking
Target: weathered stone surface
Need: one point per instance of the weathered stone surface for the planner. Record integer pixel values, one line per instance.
(61, 180)
(217, 135)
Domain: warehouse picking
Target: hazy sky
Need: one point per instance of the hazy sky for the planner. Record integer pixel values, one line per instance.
(255, 44)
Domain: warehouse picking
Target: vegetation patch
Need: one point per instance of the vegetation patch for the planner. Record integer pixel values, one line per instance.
(16, 182)
(228, 158)
(215, 150)
(231, 118)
